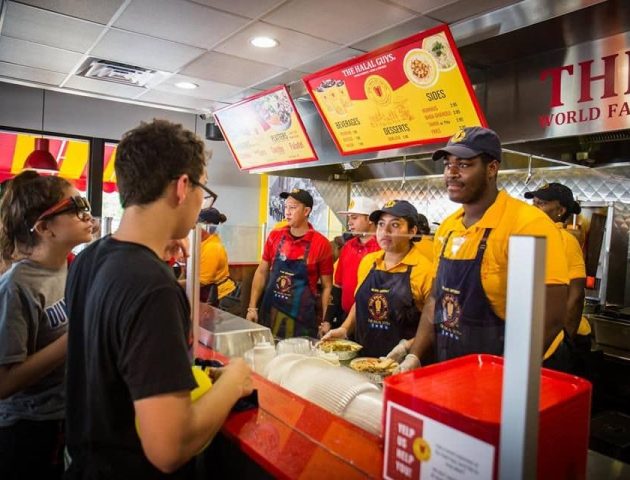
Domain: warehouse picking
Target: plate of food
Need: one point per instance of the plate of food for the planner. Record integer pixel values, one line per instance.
(344, 349)
(421, 68)
(375, 368)
(438, 46)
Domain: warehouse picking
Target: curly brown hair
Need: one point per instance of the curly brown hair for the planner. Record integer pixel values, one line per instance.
(24, 199)
(152, 155)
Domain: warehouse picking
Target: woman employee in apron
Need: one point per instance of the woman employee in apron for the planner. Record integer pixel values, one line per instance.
(393, 284)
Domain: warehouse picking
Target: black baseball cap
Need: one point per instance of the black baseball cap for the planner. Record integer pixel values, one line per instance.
(211, 216)
(471, 142)
(300, 195)
(557, 191)
(397, 208)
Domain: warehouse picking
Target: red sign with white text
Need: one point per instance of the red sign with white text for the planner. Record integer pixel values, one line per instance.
(411, 92)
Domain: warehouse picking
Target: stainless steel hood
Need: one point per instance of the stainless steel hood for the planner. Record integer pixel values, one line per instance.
(493, 47)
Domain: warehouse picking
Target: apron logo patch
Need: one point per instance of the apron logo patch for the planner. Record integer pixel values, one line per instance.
(378, 308)
(284, 284)
(451, 313)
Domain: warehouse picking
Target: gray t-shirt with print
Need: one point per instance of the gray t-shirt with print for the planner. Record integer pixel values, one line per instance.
(32, 315)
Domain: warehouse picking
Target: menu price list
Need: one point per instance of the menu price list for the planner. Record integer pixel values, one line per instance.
(417, 92)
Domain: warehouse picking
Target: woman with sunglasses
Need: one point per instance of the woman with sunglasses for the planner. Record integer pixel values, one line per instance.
(41, 220)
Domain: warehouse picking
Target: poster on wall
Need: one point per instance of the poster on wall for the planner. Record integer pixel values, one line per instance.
(265, 130)
(275, 213)
(412, 92)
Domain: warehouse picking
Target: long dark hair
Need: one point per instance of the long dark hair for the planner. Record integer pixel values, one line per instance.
(26, 197)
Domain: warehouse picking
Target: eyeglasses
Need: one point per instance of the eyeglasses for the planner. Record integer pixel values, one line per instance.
(209, 198)
(77, 204)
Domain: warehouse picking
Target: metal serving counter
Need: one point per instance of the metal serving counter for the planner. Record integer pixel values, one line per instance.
(228, 334)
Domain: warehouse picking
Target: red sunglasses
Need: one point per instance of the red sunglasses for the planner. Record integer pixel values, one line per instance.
(79, 205)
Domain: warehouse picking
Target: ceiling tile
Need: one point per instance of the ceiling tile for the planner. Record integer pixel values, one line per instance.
(284, 78)
(249, 92)
(167, 98)
(179, 21)
(331, 59)
(294, 48)
(207, 89)
(41, 26)
(147, 51)
(99, 11)
(340, 21)
(21, 52)
(246, 8)
(423, 6)
(456, 11)
(407, 29)
(38, 75)
(103, 87)
(230, 69)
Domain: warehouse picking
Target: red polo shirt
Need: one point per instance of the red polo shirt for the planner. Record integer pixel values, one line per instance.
(346, 274)
(319, 261)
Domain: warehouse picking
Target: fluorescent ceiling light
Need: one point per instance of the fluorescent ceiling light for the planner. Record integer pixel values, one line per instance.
(186, 85)
(264, 42)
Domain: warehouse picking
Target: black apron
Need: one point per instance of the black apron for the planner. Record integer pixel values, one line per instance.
(288, 305)
(385, 311)
(464, 319)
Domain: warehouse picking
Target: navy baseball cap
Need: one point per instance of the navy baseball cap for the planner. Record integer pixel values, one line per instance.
(557, 191)
(397, 208)
(300, 195)
(471, 142)
(211, 216)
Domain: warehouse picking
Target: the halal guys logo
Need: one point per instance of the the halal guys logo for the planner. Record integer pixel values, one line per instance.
(390, 204)
(378, 307)
(458, 137)
(351, 205)
(284, 283)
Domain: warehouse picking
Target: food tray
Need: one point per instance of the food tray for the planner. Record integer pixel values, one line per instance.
(375, 374)
(344, 349)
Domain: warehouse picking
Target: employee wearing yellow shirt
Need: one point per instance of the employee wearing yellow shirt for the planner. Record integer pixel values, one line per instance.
(557, 201)
(393, 284)
(466, 311)
(214, 273)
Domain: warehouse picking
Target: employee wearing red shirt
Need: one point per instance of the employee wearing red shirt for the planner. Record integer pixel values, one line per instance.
(294, 259)
(362, 243)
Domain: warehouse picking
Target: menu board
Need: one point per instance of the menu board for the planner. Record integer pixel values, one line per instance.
(265, 130)
(411, 92)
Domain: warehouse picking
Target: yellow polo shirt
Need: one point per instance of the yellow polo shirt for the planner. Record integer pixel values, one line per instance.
(576, 266)
(425, 245)
(507, 216)
(420, 276)
(213, 266)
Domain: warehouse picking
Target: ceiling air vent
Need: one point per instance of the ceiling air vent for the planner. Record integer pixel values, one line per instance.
(117, 72)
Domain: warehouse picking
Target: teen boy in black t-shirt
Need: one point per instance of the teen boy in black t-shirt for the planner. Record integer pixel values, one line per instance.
(128, 346)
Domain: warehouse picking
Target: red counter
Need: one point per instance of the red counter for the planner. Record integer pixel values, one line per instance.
(292, 438)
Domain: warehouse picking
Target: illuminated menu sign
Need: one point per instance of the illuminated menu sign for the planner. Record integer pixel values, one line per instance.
(411, 92)
(265, 130)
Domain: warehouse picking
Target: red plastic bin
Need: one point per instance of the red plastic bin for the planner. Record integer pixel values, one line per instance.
(443, 421)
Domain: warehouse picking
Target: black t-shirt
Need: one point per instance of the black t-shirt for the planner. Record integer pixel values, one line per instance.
(128, 339)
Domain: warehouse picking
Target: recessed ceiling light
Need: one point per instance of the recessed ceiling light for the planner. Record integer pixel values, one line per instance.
(186, 85)
(264, 42)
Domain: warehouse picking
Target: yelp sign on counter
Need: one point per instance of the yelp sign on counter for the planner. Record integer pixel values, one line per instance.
(418, 447)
